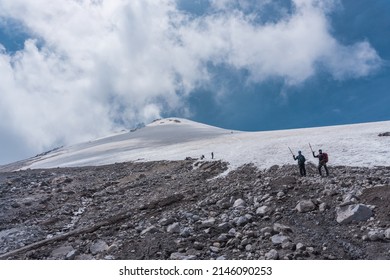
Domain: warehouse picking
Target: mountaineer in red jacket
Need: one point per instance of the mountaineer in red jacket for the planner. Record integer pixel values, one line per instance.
(322, 160)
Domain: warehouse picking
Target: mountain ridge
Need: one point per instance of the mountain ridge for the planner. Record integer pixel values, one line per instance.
(177, 139)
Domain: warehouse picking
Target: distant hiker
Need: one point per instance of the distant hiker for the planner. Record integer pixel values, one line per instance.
(301, 163)
(212, 155)
(202, 157)
(322, 160)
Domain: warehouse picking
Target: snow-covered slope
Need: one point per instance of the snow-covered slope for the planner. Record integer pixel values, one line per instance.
(176, 139)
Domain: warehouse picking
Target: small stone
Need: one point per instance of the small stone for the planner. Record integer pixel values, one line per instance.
(323, 206)
(279, 239)
(71, 255)
(223, 203)
(288, 245)
(239, 203)
(272, 255)
(311, 250)
(281, 228)
(61, 252)
(198, 245)
(208, 223)
(244, 242)
(232, 232)
(263, 210)
(181, 256)
(300, 247)
(173, 228)
(387, 233)
(375, 235)
(224, 227)
(84, 257)
(185, 232)
(214, 249)
(279, 195)
(113, 248)
(241, 221)
(166, 221)
(266, 230)
(248, 247)
(223, 238)
(151, 229)
(98, 247)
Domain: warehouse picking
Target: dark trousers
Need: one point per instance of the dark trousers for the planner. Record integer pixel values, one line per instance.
(320, 167)
(302, 169)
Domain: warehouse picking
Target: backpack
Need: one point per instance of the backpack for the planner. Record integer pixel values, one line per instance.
(325, 157)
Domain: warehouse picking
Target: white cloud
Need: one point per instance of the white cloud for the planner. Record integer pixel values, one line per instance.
(93, 65)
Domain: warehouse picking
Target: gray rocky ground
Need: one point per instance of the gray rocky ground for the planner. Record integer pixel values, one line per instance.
(186, 210)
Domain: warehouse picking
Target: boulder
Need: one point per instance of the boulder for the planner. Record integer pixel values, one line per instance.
(305, 206)
(353, 213)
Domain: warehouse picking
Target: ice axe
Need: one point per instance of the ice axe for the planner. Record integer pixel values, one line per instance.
(291, 152)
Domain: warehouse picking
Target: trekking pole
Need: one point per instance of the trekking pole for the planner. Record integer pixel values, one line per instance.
(311, 148)
(291, 152)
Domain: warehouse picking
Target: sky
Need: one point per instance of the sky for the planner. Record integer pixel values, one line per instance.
(75, 70)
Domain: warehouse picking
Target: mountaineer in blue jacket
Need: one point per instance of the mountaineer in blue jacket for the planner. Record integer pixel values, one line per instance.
(301, 163)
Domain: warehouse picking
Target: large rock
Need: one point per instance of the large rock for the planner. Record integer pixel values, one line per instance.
(353, 213)
(305, 206)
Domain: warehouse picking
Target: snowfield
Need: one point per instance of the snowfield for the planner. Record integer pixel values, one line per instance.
(177, 139)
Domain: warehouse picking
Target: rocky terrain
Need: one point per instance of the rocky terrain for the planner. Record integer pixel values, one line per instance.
(193, 210)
